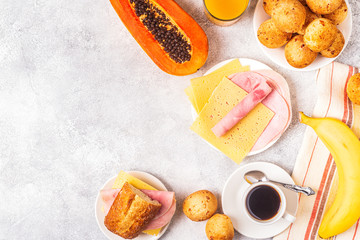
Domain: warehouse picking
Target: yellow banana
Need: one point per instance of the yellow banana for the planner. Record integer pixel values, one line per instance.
(345, 149)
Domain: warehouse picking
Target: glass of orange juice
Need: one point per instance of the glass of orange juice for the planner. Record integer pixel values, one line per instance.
(225, 12)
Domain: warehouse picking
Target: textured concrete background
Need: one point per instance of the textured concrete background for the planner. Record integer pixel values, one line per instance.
(80, 101)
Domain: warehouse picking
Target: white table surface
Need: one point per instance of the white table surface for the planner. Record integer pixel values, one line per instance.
(80, 101)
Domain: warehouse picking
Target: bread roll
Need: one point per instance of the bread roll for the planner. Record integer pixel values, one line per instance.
(335, 48)
(268, 5)
(298, 54)
(353, 88)
(320, 34)
(200, 205)
(323, 6)
(219, 227)
(339, 15)
(289, 15)
(131, 212)
(270, 36)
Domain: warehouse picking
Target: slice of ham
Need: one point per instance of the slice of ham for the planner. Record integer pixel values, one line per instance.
(259, 92)
(164, 219)
(275, 101)
(165, 198)
(277, 82)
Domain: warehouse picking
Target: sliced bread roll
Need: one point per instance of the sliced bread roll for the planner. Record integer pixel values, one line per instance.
(131, 212)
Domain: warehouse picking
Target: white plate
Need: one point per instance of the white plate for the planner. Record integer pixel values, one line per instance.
(232, 197)
(100, 215)
(254, 65)
(278, 55)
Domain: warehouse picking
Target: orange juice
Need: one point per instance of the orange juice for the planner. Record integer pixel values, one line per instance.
(225, 10)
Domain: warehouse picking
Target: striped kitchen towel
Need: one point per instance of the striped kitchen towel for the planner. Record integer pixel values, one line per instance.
(315, 166)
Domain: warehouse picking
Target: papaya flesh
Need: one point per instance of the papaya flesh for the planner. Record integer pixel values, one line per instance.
(169, 36)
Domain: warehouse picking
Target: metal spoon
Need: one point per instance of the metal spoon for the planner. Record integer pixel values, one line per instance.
(258, 176)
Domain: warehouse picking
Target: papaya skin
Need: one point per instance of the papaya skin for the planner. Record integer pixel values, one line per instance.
(196, 35)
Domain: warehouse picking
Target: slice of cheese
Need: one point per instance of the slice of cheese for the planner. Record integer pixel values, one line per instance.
(232, 66)
(214, 79)
(203, 87)
(125, 177)
(237, 142)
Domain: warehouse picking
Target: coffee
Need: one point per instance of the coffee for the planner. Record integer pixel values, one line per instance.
(263, 202)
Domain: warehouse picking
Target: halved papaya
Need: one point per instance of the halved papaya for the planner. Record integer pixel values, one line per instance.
(170, 36)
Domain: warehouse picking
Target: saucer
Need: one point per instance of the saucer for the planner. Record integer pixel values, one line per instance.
(233, 193)
(100, 215)
(254, 65)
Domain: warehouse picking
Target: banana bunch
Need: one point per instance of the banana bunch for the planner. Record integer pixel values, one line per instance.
(345, 149)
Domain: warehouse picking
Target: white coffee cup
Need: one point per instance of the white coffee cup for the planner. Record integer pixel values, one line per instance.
(281, 213)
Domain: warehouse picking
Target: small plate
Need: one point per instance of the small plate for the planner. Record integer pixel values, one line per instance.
(254, 65)
(234, 190)
(100, 215)
(277, 55)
